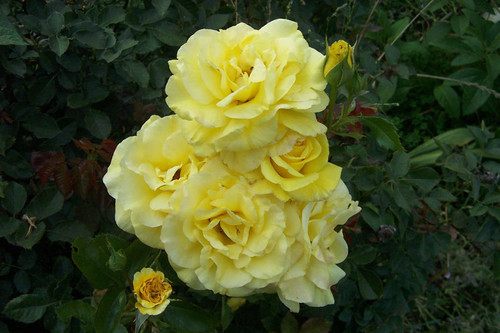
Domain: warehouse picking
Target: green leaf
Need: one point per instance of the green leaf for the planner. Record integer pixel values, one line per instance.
(493, 65)
(111, 55)
(69, 231)
(22, 281)
(159, 73)
(96, 39)
(399, 166)
(428, 152)
(403, 195)
(425, 178)
(473, 99)
(15, 165)
(23, 238)
(465, 59)
(140, 319)
(448, 98)
(8, 225)
(217, 21)
(495, 212)
(59, 44)
(187, 318)
(168, 34)
(370, 214)
(110, 310)
(369, 284)
(391, 54)
(46, 203)
(15, 198)
(397, 28)
(8, 33)
(42, 91)
(161, 6)
(138, 255)
(459, 24)
(289, 324)
(15, 66)
(111, 15)
(437, 32)
(478, 210)
(316, 325)
(384, 130)
(91, 258)
(98, 123)
(364, 254)
(496, 264)
(386, 88)
(55, 23)
(117, 260)
(76, 309)
(41, 125)
(442, 194)
(26, 308)
(137, 72)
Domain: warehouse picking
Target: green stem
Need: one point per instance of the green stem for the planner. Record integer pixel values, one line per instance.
(331, 108)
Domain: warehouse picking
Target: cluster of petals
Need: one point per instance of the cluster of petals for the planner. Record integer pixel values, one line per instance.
(236, 186)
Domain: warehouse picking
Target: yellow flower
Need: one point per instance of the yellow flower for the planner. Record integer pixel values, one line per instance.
(299, 166)
(317, 249)
(336, 54)
(152, 291)
(224, 237)
(235, 303)
(144, 172)
(241, 88)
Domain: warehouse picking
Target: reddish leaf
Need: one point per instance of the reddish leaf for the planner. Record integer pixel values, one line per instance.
(348, 238)
(76, 178)
(102, 198)
(108, 148)
(63, 180)
(85, 145)
(45, 173)
(39, 159)
(352, 222)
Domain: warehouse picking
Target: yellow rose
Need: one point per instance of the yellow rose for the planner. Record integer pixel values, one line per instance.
(241, 88)
(151, 291)
(235, 303)
(336, 54)
(299, 166)
(317, 250)
(144, 172)
(224, 237)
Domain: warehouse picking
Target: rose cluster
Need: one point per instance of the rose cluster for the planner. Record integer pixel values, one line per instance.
(236, 187)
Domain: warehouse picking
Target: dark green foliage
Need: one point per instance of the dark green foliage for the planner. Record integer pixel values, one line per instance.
(79, 76)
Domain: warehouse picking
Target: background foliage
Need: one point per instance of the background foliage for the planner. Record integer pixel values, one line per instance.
(80, 76)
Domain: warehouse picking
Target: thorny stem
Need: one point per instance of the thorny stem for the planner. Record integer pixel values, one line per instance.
(466, 83)
(362, 34)
(407, 26)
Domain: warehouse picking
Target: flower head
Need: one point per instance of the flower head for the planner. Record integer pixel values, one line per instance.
(299, 166)
(224, 237)
(317, 249)
(145, 171)
(241, 88)
(152, 291)
(336, 54)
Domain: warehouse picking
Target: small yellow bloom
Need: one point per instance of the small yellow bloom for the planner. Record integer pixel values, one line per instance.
(151, 291)
(336, 53)
(235, 303)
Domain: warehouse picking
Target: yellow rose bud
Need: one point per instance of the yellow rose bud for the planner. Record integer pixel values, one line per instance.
(336, 53)
(235, 302)
(151, 291)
